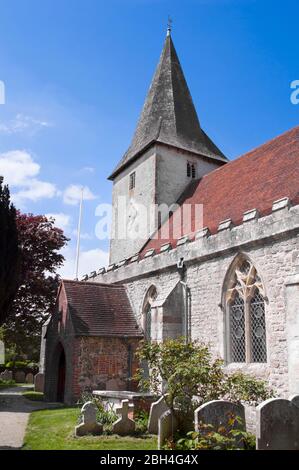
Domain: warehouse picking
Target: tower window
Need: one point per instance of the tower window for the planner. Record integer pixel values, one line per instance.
(132, 180)
(191, 170)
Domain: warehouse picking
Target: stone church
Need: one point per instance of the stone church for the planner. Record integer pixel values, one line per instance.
(201, 247)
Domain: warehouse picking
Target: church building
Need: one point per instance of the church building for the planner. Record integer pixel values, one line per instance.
(201, 247)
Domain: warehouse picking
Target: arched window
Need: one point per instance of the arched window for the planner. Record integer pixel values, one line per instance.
(246, 325)
(147, 312)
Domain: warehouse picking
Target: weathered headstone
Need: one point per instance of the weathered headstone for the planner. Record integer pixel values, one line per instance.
(89, 423)
(29, 378)
(277, 425)
(39, 382)
(295, 400)
(221, 413)
(20, 376)
(6, 375)
(157, 409)
(167, 426)
(124, 425)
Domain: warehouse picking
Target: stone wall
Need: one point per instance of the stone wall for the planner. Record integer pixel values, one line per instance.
(270, 242)
(124, 217)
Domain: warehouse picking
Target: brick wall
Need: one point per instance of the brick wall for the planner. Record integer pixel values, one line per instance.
(103, 364)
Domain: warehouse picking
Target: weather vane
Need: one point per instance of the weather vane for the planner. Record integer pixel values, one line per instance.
(169, 25)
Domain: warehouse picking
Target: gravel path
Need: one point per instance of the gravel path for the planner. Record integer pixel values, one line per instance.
(14, 415)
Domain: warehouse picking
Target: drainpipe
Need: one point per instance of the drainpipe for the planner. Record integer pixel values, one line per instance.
(182, 272)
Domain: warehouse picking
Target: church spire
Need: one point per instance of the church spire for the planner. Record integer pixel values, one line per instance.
(169, 116)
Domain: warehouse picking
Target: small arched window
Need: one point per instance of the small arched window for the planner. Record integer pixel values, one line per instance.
(150, 297)
(246, 325)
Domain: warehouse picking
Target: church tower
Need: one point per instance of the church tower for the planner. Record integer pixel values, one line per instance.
(169, 149)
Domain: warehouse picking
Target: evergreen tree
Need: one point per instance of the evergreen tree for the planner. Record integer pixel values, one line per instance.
(9, 252)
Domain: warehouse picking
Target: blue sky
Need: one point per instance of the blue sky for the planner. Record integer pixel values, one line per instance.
(76, 74)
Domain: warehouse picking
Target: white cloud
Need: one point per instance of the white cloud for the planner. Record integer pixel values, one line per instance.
(62, 220)
(88, 169)
(35, 191)
(22, 123)
(90, 260)
(72, 194)
(21, 172)
(17, 166)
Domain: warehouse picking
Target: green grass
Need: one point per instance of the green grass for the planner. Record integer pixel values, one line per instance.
(54, 430)
(33, 396)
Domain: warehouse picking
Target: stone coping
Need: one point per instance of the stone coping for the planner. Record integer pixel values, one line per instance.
(122, 394)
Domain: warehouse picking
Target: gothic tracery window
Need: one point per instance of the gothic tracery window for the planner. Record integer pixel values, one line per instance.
(245, 300)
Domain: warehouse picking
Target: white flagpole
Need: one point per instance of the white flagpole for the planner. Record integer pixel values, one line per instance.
(79, 233)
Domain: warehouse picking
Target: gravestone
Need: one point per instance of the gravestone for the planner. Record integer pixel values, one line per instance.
(29, 378)
(157, 409)
(39, 382)
(167, 426)
(20, 376)
(277, 425)
(124, 425)
(89, 423)
(6, 375)
(221, 413)
(295, 400)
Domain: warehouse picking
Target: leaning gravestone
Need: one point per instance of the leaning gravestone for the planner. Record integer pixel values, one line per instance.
(89, 423)
(220, 413)
(39, 381)
(29, 378)
(20, 376)
(124, 425)
(157, 409)
(277, 425)
(6, 375)
(168, 425)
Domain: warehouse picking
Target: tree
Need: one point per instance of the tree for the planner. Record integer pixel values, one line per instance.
(9, 252)
(192, 377)
(40, 243)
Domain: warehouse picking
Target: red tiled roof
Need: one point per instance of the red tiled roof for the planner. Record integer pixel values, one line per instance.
(253, 181)
(100, 309)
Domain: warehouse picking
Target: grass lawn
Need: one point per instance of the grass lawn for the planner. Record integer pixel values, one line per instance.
(54, 430)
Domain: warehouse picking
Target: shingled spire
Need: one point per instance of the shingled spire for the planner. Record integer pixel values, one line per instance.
(169, 115)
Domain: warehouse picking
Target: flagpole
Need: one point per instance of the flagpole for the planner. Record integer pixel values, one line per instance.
(79, 233)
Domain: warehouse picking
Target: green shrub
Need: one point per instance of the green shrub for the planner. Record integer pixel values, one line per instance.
(224, 438)
(189, 370)
(141, 419)
(7, 383)
(34, 396)
(16, 365)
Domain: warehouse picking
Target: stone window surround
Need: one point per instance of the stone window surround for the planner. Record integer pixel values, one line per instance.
(247, 292)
